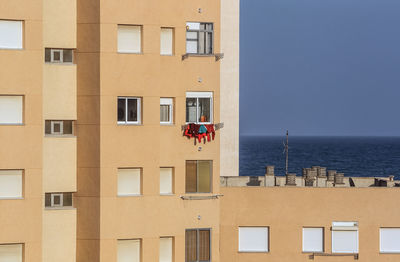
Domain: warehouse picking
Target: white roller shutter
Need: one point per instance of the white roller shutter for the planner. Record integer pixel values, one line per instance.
(10, 183)
(11, 109)
(129, 181)
(166, 41)
(253, 239)
(11, 253)
(166, 245)
(313, 240)
(129, 250)
(389, 240)
(344, 237)
(129, 38)
(11, 34)
(166, 180)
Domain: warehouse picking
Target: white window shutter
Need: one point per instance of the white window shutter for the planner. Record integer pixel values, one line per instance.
(313, 239)
(344, 241)
(166, 41)
(166, 180)
(11, 253)
(129, 250)
(10, 183)
(129, 181)
(253, 239)
(389, 240)
(11, 109)
(11, 34)
(129, 38)
(166, 245)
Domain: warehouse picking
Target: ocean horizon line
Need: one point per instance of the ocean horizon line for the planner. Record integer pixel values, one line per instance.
(321, 136)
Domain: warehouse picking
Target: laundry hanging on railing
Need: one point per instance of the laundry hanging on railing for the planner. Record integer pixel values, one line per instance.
(200, 131)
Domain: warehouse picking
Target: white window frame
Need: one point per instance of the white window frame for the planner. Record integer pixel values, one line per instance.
(380, 241)
(322, 239)
(170, 103)
(21, 32)
(21, 117)
(52, 51)
(345, 227)
(124, 51)
(61, 123)
(243, 250)
(61, 195)
(15, 172)
(198, 95)
(194, 27)
(139, 111)
(140, 183)
(172, 181)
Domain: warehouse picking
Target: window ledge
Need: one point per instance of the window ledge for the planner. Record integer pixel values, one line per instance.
(11, 198)
(355, 255)
(11, 48)
(57, 63)
(217, 56)
(258, 252)
(167, 124)
(167, 194)
(66, 136)
(129, 124)
(200, 197)
(130, 53)
(130, 195)
(60, 208)
(12, 124)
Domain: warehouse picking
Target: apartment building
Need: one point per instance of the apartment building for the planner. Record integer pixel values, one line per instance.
(111, 128)
(119, 142)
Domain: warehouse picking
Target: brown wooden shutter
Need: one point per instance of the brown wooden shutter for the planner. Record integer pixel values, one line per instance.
(204, 245)
(191, 245)
(191, 176)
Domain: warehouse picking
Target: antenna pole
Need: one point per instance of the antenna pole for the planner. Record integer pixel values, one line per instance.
(287, 151)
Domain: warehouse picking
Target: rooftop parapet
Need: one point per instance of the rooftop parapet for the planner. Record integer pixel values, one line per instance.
(311, 177)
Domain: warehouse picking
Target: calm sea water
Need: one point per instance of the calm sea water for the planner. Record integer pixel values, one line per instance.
(354, 156)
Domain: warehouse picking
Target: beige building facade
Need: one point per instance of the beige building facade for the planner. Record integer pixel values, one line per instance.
(119, 132)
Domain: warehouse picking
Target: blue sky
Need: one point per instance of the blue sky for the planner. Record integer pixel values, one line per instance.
(320, 67)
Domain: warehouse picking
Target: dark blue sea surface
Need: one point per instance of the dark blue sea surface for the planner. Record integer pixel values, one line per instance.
(353, 156)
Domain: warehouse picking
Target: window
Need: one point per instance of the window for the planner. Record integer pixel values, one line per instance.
(344, 237)
(129, 110)
(199, 38)
(389, 240)
(11, 34)
(253, 239)
(11, 110)
(11, 252)
(166, 179)
(166, 249)
(58, 200)
(199, 107)
(167, 41)
(11, 184)
(166, 110)
(129, 38)
(313, 239)
(52, 55)
(198, 176)
(198, 245)
(129, 181)
(129, 250)
(59, 127)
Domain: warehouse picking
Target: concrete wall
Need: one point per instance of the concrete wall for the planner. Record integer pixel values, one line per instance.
(287, 210)
(230, 13)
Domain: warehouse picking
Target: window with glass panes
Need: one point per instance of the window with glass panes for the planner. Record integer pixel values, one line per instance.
(129, 110)
(199, 107)
(198, 176)
(199, 38)
(198, 245)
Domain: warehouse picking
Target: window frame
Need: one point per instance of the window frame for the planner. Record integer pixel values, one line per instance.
(172, 182)
(173, 246)
(197, 243)
(140, 240)
(141, 39)
(380, 241)
(54, 122)
(22, 184)
(344, 226)
(167, 101)
(323, 240)
(22, 22)
(16, 244)
(52, 52)
(197, 176)
(61, 51)
(22, 111)
(140, 182)
(173, 41)
(52, 196)
(198, 95)
(198, 31)
(268, 239)
(138, 110)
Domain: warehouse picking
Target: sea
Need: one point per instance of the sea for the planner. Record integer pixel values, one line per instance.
(353, 156)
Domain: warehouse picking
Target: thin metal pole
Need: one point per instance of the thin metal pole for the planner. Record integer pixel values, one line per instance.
(287, 151)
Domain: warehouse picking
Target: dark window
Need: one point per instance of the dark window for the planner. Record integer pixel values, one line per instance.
(198, 245)
(57, 55)
(198, 176)
(128, 110)
(58, 200)
(199, 107)
(59, 127)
